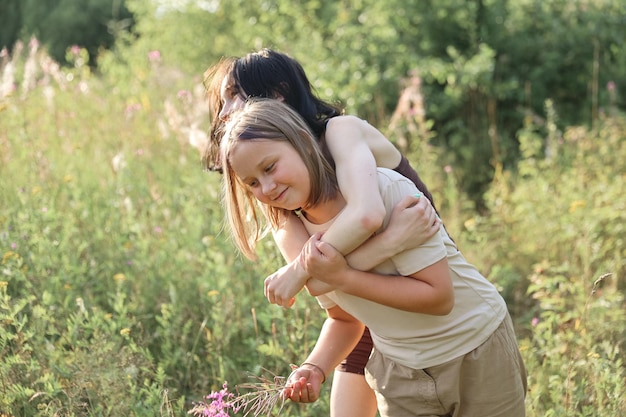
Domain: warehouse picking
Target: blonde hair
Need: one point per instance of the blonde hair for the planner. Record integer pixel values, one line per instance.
(269, 119)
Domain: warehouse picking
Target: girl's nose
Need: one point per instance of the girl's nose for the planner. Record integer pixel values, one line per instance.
(268, 186)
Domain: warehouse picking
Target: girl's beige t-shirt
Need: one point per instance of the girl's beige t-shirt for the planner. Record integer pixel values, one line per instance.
(420, 340)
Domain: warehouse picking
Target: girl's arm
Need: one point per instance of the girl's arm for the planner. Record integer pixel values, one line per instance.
(281, 286)
(339, 335)
(429, 292)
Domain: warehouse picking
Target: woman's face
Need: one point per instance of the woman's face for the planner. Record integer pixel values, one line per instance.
(273, 172)
(231, 98)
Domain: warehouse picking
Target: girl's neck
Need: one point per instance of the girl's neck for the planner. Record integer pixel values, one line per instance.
(326, 211)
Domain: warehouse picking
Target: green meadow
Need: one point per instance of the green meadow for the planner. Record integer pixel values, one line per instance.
(122, 295)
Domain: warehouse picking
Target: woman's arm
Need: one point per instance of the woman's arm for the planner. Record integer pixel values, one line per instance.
(339, 335)
(429, 292)
(281, 286)
(357, 149)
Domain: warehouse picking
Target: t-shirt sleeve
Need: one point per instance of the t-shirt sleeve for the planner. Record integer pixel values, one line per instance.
(325, 302)
(393, 187)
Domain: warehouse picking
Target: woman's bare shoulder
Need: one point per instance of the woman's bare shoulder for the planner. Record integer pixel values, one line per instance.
(341, 125)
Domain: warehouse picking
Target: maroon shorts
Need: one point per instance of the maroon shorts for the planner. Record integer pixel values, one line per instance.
(356, 360)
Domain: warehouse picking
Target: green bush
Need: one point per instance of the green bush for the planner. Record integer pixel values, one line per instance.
(554, 242)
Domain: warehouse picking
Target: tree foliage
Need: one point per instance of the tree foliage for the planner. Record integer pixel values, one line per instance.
(59, 24)
(486, 65)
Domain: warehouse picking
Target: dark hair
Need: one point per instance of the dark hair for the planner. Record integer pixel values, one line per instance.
(269, 74)
(264, 74)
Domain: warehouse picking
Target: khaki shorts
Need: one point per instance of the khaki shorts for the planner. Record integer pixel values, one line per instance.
(489, 381)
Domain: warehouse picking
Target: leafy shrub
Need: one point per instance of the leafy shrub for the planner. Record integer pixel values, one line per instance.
(554, 242)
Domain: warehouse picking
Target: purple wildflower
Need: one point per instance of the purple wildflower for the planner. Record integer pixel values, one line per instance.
(218, 404)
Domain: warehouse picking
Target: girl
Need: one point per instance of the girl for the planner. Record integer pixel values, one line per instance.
(356, 148)
(443, 340)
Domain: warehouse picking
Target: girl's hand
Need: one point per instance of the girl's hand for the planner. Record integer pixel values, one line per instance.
(323, 262)
(282, 286)
(413, 221)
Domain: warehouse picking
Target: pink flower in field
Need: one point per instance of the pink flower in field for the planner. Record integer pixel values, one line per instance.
(132, 109)
(184, 95)
(535, 321)
(13, 245)
(610, 86)
(154, 56)
(447, 169)
(75, 49)
(217, 405)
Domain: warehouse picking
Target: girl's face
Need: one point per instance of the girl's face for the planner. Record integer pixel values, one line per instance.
(273, 171)
(231, 99)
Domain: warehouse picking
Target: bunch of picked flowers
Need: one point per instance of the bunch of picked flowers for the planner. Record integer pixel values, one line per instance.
(257, 399)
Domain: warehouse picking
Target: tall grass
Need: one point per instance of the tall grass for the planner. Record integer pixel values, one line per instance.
(120, 293)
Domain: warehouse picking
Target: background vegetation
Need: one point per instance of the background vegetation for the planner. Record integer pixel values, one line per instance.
(121, 295)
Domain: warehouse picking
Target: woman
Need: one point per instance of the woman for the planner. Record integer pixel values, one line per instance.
(444, 341)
